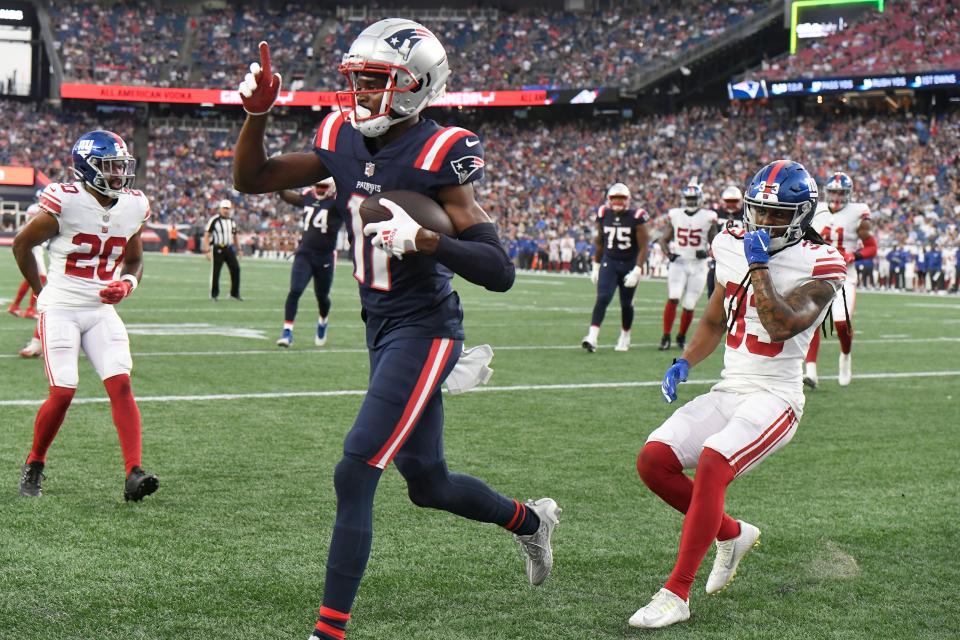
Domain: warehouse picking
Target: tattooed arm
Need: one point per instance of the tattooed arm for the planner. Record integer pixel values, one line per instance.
(785, 316)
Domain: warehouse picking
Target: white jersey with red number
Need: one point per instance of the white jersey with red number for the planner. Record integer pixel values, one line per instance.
(751, 361)
(691, 231)
(87, 253)
(840, 228)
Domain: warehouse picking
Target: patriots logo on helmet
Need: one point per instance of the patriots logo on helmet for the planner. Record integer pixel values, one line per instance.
(466, 166)
(412, 35)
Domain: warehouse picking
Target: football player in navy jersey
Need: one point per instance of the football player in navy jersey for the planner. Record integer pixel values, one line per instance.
(315, 256)
(621, 244)
(379, 143)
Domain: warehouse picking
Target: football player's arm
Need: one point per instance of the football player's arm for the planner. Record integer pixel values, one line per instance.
(476, 253)
(865, 233)
(133, 257)
(36, 232)
(643, 243)
(785, 316)
(253, 172)
(598, 243)
(665, 239)
(711, 329)
(291, 197)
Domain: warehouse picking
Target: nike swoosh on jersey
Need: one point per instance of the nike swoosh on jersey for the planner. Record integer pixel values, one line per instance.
(472, 143)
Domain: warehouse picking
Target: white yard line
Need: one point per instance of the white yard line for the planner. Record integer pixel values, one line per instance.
(504, 389)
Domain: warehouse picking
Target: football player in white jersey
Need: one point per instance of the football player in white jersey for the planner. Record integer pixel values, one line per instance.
(842, 223)
(774, 285)
(686, 242)
(96, 260)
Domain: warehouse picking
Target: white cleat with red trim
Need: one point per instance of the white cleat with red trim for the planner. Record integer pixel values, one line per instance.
(665, 608)
(33, 349)
(729, 554)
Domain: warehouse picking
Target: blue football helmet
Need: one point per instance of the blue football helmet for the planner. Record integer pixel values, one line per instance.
(101, 160)
(839, 189)
(692, 197)
(781, 187)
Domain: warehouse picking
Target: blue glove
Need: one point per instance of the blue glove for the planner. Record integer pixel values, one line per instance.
(677, 373)
(755, 246)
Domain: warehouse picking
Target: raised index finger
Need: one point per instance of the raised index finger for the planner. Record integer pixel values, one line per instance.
(265, 71)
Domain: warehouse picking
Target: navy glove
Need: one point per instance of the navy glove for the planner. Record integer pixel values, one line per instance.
(755, 246)
(677, 373)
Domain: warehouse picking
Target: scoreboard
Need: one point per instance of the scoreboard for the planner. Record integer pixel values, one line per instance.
(18, 41)
(810, 20)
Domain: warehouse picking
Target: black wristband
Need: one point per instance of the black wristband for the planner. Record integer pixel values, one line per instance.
(757, 267)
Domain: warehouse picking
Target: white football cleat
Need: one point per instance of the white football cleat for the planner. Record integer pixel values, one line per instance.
(536, 546)
(286, 338)
(623, 342)
(588, 343)
(845, 372)
(665, 608)
(33, 349)
(729, 554)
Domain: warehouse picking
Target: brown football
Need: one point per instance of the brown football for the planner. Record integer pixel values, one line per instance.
(427, 213)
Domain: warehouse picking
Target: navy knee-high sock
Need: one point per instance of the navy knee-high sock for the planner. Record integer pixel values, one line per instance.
(471, 498)
(355, 483)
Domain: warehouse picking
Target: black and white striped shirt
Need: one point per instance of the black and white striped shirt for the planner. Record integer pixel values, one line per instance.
(221, 231)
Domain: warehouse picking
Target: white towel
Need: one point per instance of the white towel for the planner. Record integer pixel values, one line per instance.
(471, 369)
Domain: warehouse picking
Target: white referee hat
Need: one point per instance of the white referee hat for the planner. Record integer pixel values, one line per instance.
(225, 204)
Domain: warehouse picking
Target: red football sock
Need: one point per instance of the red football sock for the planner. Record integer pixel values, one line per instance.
(662, 472)
(814, 346)
(126, 417)
(845, 335)
(686, 317)
(702, 522)
(49, 418)
(669, 314)
(331, 624)
(22, 291)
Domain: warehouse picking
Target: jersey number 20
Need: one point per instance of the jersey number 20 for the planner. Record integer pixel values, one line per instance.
(95, 250)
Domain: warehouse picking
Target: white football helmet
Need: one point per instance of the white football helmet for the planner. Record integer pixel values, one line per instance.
(618, 191)
(732, 199)
(413, 62)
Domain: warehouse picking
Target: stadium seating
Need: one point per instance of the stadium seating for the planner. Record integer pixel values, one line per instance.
(139, 43)
(909, 36)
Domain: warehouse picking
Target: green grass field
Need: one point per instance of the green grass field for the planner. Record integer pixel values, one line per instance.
(859, 514)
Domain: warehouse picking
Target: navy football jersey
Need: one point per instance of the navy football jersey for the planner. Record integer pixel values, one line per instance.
(619, 231)
(321, 224)
(414, 294)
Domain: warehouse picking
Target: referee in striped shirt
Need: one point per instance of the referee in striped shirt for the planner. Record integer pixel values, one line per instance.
(220, 242)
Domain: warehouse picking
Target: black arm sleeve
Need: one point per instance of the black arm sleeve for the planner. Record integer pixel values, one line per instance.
(477, 255)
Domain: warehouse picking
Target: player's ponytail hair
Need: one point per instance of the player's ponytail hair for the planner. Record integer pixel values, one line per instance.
(810, 235)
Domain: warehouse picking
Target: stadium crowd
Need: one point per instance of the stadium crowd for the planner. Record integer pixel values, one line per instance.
(909, 36)
(141, 43)
(540, 191)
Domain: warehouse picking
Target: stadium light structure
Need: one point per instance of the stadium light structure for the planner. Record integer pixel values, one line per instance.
(806, 4)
